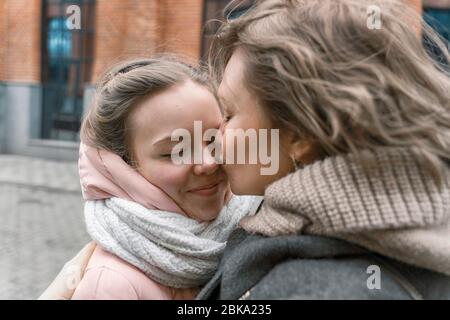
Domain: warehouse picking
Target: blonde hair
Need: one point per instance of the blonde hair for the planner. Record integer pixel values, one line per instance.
(105, 124)
(320, 72)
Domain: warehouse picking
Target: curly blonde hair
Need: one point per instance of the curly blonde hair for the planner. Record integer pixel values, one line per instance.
(319, 71)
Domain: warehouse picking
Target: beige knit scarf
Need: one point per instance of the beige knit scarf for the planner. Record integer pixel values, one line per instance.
(393, 206)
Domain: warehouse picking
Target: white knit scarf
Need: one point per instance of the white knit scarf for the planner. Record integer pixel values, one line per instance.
(172, 249)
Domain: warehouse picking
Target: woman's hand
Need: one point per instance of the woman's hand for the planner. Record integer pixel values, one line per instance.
(65, 283)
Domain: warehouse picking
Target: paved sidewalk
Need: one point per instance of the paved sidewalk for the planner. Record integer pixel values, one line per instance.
(41, 223)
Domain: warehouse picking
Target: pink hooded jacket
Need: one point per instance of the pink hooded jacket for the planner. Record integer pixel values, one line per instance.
(104, 174)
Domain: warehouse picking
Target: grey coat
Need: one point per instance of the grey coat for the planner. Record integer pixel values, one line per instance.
(313, 267)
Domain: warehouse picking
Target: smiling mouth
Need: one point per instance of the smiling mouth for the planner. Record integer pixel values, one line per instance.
(206, 190)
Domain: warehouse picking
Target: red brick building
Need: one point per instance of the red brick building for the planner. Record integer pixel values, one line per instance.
(121, 28)
(47, 70)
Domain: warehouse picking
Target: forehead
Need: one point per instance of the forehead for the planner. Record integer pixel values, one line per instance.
(233, 75)
(176, 107)
(232, 91)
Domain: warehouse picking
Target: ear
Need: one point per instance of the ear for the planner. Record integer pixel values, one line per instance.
(301, 151)
(299, 148)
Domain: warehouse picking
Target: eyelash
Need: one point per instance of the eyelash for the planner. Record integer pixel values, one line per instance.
(168, 155)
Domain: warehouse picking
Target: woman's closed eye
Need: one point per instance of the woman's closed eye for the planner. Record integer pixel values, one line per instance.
(168, 155)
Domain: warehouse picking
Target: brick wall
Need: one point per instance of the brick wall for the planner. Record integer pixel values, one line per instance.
(2, 39)
(183, 27)
(20, 40)
(417, 6)
(130, 28)
(123, 28)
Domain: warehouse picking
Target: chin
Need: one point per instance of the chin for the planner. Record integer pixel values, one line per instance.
(242, 190)
(239, 191)
(210, 216)
(209, 210)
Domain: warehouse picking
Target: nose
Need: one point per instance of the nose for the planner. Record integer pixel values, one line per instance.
(208, 165)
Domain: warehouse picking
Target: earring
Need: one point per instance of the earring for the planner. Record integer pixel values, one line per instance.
(295, 163)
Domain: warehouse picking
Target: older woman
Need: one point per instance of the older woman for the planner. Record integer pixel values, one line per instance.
(364, 114)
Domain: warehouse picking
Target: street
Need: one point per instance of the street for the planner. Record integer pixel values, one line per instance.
(41, 223)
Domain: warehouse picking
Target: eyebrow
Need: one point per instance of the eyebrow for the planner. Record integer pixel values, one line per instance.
(223, 103)
(163, 141)
(169, 138)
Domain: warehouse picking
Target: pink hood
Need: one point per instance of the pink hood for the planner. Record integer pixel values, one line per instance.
(103, 175)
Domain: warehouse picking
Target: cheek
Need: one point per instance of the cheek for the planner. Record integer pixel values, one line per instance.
(226, 143)
(229, 140)
(245, 179)
(242, 122)
(168, 177)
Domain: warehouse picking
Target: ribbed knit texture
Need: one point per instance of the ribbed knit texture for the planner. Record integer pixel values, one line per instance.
(392, 206)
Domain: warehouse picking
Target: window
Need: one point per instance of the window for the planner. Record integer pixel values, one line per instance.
(437, 15)
(66, 66)
(215, 10)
